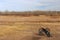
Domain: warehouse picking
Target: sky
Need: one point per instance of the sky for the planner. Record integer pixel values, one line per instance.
(29, 5)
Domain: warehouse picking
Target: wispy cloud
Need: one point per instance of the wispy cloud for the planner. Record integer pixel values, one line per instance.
(26, 5)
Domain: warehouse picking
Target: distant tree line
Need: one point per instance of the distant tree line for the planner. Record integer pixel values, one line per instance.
(31, 13)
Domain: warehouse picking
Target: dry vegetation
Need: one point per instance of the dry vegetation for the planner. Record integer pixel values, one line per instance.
(24, 25)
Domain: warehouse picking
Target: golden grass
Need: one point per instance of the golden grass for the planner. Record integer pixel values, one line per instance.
(26, 30)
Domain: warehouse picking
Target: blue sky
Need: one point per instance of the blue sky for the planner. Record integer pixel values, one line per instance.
(29, 5)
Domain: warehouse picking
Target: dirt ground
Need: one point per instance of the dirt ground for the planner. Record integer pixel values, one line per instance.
(10, 29)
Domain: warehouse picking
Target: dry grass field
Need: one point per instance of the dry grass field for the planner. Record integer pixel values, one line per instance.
(24, 28)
